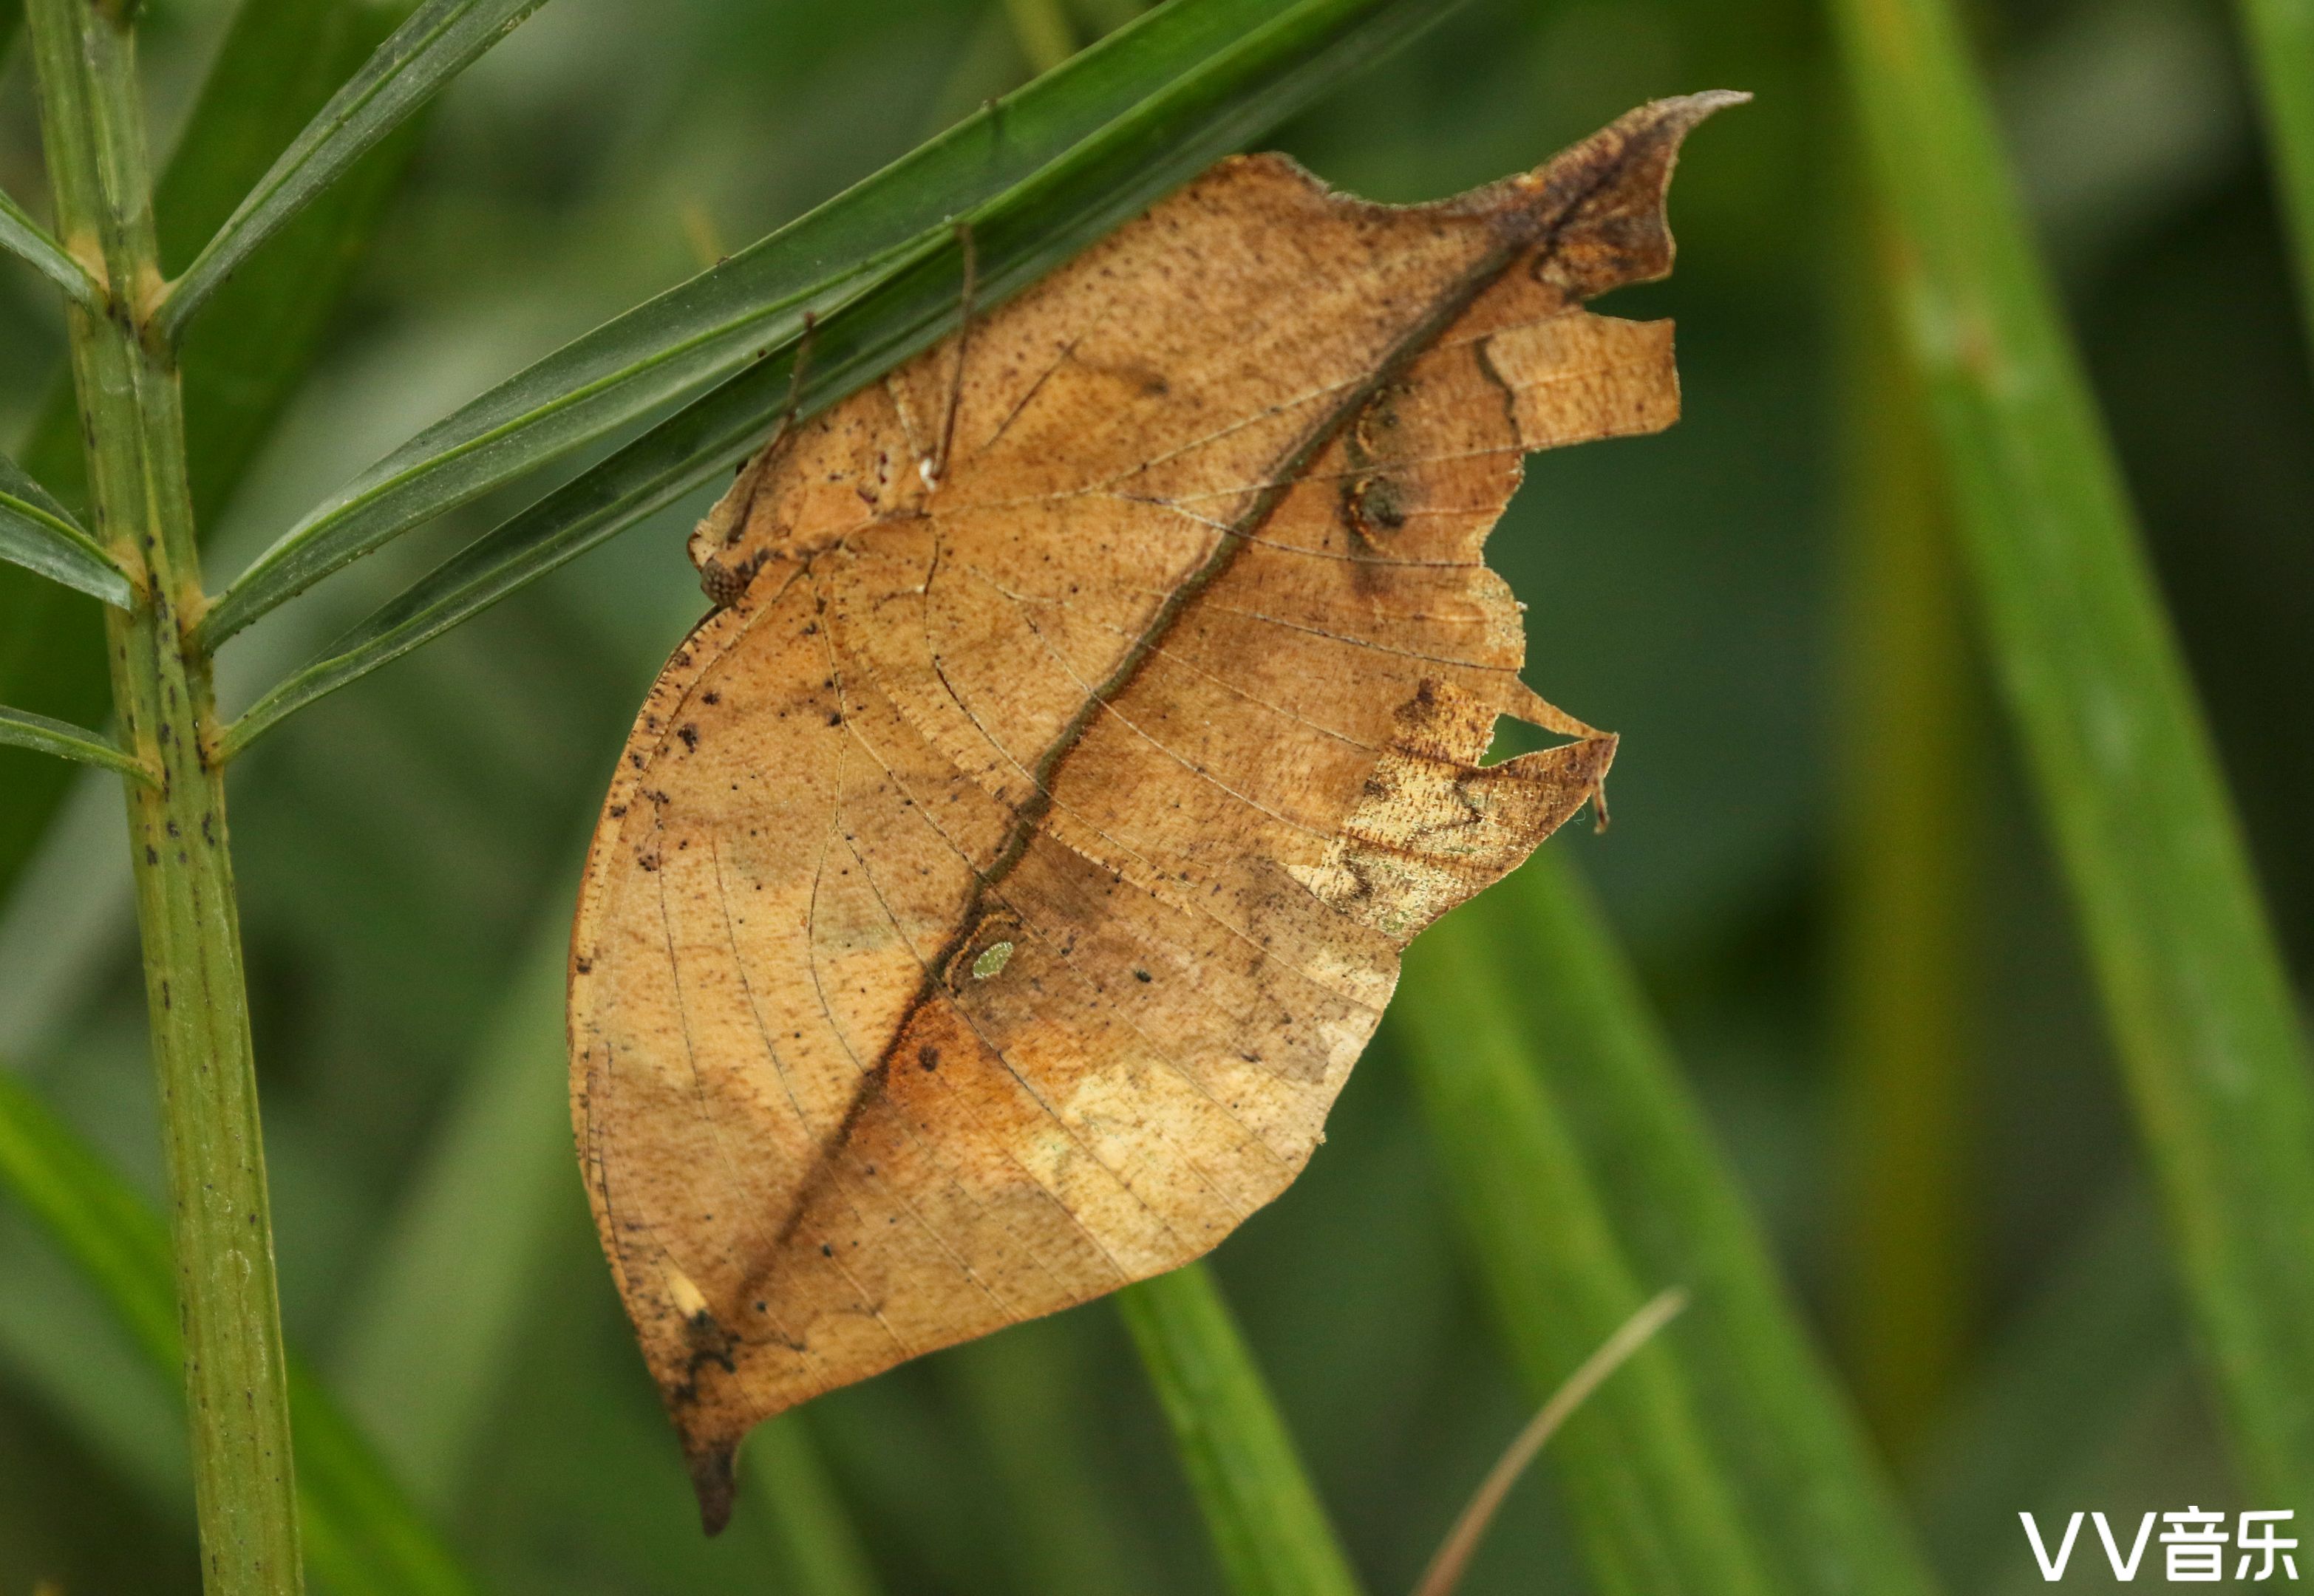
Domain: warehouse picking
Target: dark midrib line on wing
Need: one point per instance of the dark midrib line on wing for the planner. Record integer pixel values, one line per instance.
(1536, 231)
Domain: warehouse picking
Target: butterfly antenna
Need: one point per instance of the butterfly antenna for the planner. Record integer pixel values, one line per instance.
(956, 375)
(796, 375)
(755, 466)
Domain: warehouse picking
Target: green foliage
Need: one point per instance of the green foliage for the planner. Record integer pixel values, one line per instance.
(441, 40)
(2280, 37)
(2200, 1009)
(28, 240)
(1113, 120)
(1266, 1523)
(39, 534)
(791, 1484)
(361, 1533)
(21, 728)
(277, 64)
(1723, 1459)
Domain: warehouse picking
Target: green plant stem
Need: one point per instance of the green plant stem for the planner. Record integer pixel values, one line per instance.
(2200, 1010)
(2281, 35)
(1268, 1525)
(236, 1388)
(1901, 903)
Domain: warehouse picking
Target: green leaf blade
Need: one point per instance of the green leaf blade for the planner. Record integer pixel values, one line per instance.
(39, 534)
(26, 239)
(1586, 1181)
(2280, 34)
(441, 40)
(1018, 236)
(20, 728)
(1142, 78)
(280, 61)
(1268, 1525)
(2196, 997)
(362, 1537)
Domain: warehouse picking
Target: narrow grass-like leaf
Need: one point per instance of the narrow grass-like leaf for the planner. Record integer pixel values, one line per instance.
(2196, 996)
(789, 1481)
(1903, 996)
(20, 728)
(277, 63)
(361, 1536)
(39, 534)
(1586, 1180)
(441, 40)
(1144, 108)
(2280, 38)
(21, 236)
(1268, 1527)
(1018, 236)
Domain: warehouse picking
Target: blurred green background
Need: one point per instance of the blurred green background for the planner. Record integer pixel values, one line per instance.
(1978, 1258)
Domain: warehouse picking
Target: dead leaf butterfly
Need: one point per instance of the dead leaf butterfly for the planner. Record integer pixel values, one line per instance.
(999, 885)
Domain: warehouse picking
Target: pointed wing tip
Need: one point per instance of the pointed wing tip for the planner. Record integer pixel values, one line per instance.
(714, 1478)
(1674, 117)
(1704, 101)
(1677, 114)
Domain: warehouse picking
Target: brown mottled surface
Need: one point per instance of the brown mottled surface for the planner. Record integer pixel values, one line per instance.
(999, 886)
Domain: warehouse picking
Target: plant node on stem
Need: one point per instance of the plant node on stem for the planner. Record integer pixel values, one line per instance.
(132, 422)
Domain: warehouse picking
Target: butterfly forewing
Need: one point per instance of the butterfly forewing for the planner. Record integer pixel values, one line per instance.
(996, 890)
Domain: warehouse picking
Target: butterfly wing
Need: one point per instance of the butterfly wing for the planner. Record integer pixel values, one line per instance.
(995, 895)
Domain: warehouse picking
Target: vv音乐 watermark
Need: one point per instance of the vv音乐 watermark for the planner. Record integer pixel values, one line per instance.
(2196, 1547)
